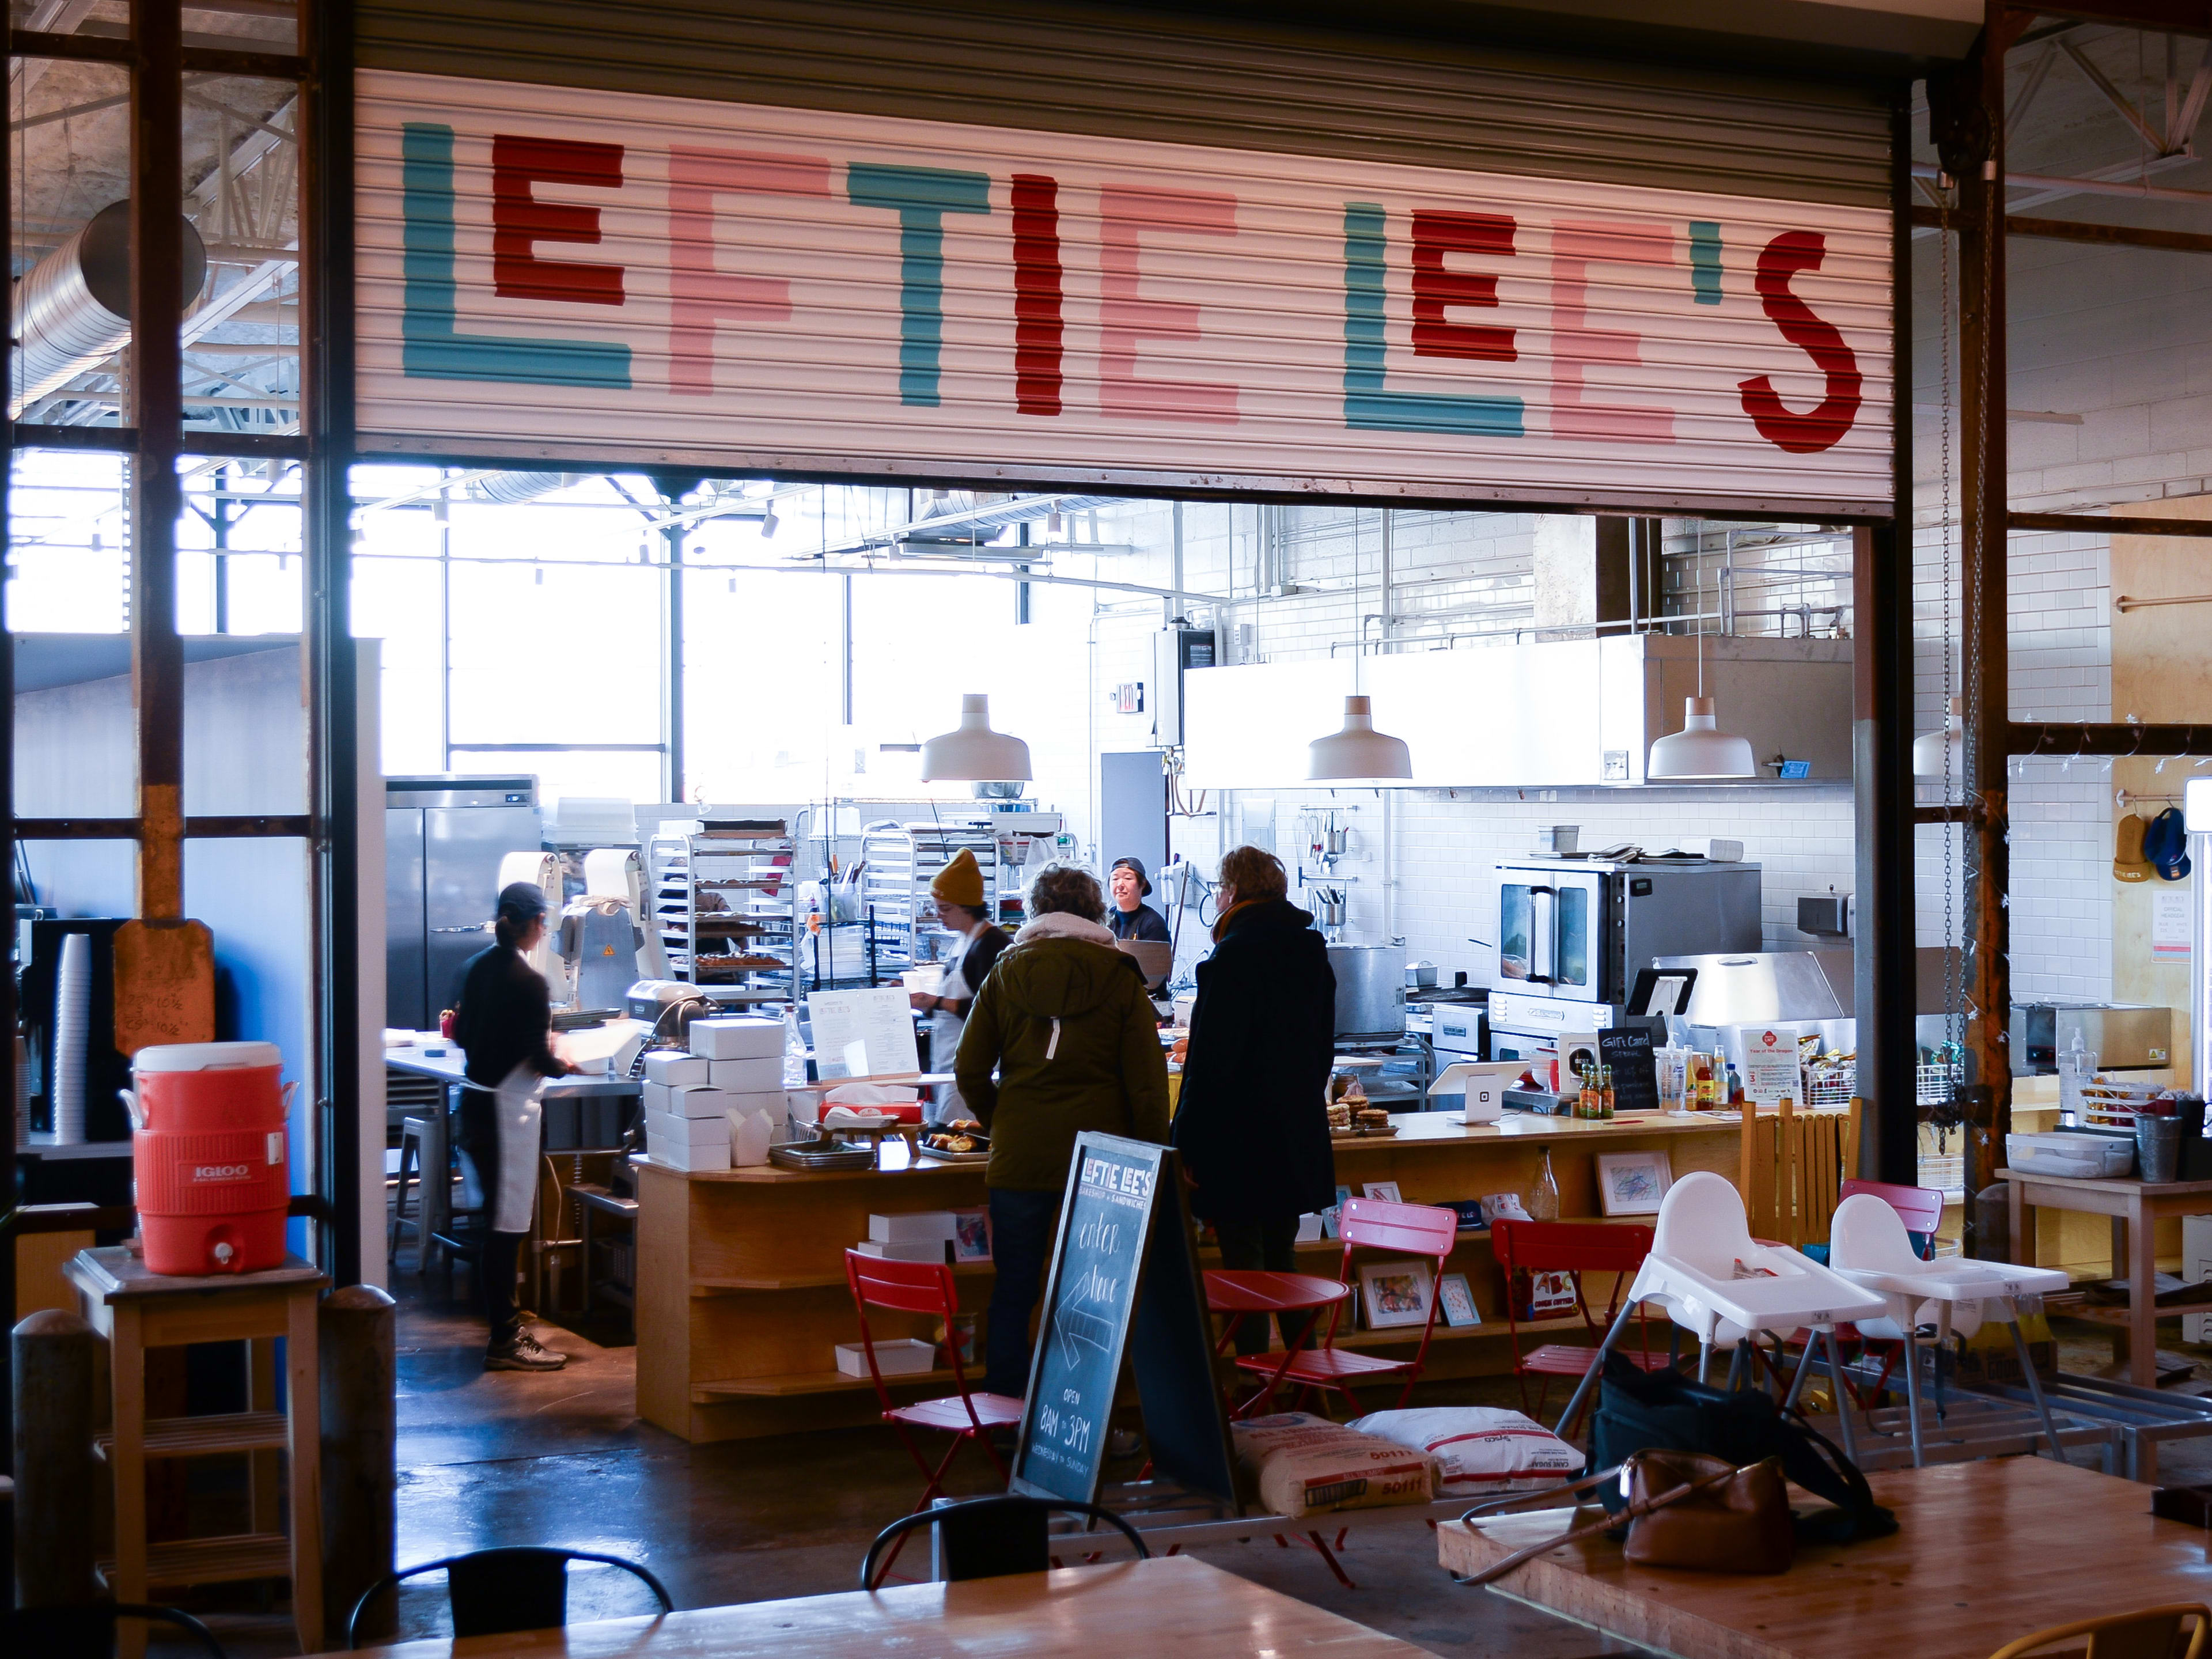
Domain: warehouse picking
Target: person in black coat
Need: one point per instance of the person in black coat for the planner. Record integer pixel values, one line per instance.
(1252, 1120)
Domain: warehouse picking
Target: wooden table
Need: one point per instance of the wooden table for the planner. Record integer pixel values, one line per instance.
(136, 1310)
(1985, 1551)
(2135, 1207)
(1174, 1605)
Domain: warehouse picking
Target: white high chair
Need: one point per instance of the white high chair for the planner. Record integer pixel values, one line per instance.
(1713, 1278)
(1867, 1246)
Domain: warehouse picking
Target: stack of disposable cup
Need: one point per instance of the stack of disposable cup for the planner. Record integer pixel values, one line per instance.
(72, 1036)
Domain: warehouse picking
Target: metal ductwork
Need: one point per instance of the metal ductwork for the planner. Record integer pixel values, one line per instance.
(980, 514)
(72, 309)
(512, 489)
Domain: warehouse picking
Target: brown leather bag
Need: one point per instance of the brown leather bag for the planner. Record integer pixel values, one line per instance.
(1684, 1510)
(1738, 1524)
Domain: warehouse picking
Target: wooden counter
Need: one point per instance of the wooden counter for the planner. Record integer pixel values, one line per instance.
(741, 1296)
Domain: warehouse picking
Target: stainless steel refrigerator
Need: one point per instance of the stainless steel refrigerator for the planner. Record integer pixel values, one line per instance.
(444, 837)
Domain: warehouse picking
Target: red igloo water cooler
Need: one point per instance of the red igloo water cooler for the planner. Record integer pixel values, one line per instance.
(212, 1157)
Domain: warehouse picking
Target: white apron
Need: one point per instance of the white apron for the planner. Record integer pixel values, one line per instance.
(945, 1032)
(517, 1113)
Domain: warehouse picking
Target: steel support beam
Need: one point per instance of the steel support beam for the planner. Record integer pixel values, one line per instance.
(326, 356)
(156, 408)
(1883, 965)
(1966, 119)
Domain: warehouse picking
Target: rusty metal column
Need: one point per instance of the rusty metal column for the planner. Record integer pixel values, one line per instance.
(155, 406)
(1967, 117)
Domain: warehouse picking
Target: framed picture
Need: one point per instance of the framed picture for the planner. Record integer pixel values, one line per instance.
(1328, 1217)
(971, 1235)
(1632, 1183)
(1455, 1301)
(1395, 1293)
(1383, 1189)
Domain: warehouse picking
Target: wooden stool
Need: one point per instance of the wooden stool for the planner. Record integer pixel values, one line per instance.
(135, 1310)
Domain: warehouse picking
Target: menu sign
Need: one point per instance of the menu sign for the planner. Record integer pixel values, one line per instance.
(1769, 1064)
(1123, 1270)
(1627, 1050)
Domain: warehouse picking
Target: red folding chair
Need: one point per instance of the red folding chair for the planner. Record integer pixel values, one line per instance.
(1572, 1248)
(1372, 1224)
(926, 1287)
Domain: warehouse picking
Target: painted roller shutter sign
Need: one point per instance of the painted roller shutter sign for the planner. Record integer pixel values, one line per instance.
(565, 273)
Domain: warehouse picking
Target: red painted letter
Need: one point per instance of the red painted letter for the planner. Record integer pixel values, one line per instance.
(1436, 287)
(1126, 317)
(1037, 294)
(1801, 434)
(700, 294)
(519, 220)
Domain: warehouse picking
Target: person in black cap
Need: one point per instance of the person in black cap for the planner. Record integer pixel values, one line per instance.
(504, 1023)
(1129, 917)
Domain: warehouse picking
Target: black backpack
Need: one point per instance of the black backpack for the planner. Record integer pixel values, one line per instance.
(1670, 1411)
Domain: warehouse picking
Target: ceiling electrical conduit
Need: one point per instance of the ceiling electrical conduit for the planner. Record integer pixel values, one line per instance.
(72, 309)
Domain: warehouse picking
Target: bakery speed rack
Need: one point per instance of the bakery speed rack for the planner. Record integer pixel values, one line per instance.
(726, 904)
(902, 860)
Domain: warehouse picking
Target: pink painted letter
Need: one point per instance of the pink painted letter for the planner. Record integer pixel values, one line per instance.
(701, 296)
(1576, 346)
(1126, 319)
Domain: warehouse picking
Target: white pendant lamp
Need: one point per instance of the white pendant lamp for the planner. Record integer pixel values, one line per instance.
(1941, 754)
(1700, 750)
(974, 753)
(1358, 753)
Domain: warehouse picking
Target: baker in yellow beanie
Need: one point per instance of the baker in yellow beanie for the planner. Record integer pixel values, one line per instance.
(967, 956)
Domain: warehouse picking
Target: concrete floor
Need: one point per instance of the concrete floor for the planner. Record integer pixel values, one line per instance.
(507, 1458)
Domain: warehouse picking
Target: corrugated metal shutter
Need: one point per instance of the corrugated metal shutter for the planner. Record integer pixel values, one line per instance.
(910, 243)
(1139, 74)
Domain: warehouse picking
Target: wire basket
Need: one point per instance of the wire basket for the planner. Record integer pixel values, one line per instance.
(1831, 1083)
(1935, 1086)
(1944, 1174)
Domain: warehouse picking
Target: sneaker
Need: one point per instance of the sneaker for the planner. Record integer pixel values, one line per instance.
(522, 1352)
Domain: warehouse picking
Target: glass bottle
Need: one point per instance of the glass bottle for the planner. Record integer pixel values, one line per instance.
(1586, 1096)
(1605, 1092)
(1541, 1200)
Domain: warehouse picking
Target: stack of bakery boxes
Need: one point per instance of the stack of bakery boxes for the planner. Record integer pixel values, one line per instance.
(697, 1103)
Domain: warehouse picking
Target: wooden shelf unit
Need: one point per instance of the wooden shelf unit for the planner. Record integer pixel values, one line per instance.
(741, 1285)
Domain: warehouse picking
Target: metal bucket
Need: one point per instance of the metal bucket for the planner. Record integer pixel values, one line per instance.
(2158, 1148)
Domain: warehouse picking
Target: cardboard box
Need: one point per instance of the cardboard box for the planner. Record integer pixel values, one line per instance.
(673, 1068)
(914, 1228)
(747, 1077)
(677, 1155)
(698, 1101)
(746, 1036)
(689, 1131)
(904, 1355)
(773, 1102)
(919, 1250)
(658, 1096)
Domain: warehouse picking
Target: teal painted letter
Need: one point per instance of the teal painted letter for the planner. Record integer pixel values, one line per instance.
(431, 346)
(1367, 405)
(921, 196)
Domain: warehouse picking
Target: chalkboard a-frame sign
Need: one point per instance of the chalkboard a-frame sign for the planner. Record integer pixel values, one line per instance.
(1124, 1280)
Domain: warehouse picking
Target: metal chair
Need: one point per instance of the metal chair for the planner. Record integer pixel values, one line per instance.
(89, 1631)
(1420, 1230)
(990, 1537)
(1572, 1248)
(2145, 1633)
(498, 1592)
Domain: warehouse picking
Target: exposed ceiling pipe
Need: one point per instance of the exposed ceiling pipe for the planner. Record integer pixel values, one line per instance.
(512, 489)
(947, 515)
(72, 309)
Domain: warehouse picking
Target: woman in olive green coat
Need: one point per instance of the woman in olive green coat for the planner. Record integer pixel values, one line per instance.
(1065, 1022)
